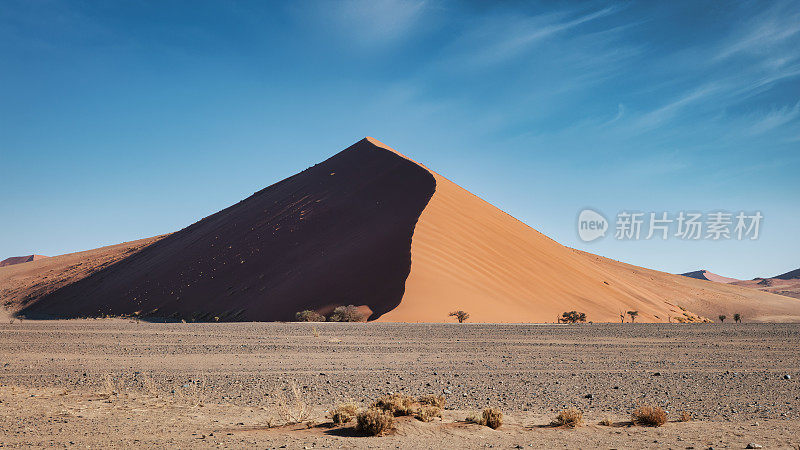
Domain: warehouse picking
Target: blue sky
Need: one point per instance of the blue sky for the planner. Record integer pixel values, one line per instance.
(126, 119)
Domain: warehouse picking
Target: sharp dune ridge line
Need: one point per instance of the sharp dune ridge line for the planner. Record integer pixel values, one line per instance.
(374, 228)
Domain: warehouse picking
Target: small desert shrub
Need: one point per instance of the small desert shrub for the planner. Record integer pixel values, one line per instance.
(649, 416)
(737, 317)
(460, 315)
(571, 418)
(397, 404)
(343, 413)
(685, 417)
(606, 422)
(349, 313)
(309, 316)
(722, 318)
(291, 407)
(491, 417)
(426, 413)
(374, 421)
(433, 400)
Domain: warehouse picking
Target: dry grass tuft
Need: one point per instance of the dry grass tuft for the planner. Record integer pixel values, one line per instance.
(374, 421)
(433, 400)
(291, 407)
(491, 417)
(397, 404)
(571, 418)
(649, 416)
(606, 422)
(427, 413)
(343, 413)
(685, 417)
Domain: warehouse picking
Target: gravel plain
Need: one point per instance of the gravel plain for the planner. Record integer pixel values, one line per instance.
(124, 383)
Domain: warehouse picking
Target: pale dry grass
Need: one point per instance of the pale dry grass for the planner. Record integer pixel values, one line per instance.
(374, 421)
(571, 418)
(649, 416)
(292, 407)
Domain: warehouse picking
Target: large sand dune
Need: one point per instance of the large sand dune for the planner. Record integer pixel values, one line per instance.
(373, 228)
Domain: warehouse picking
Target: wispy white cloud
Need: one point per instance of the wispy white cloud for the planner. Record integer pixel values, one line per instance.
(773, 119)
(769, 30)
(666, 112)
(365, 23)
(502, 37)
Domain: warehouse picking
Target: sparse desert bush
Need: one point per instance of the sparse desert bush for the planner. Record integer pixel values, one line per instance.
(571, 418)
(633, 315)
(462, 316)
(426, 413)
(343, 413)
(737, 317)
(722, 318)
(397, 404)
(291, 407)
(374, 421)
(572, 317)
(349, 313)
(491, 417)
(649, 416)
(685, 417)
(433, 400)
(606, 422)
(309, 316)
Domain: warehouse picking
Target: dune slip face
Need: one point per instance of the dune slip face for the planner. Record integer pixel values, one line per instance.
(337, 233)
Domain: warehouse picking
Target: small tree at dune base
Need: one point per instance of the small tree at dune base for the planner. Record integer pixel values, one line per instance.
(572, 317)
(722, 318)
(737, 317)
(462, 316)
(633, 315)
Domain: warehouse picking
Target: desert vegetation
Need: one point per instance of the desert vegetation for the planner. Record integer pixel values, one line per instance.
(633, 315)
(374, 421)
(649, 416)
(343, 413)
(722, 318)
(349, 313)
(309, 316)
(491, 417)
(737, 317)
(570, 418)
(572, 317)
(460, 315)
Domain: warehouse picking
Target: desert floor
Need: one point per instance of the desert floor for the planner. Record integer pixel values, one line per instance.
(118, 383)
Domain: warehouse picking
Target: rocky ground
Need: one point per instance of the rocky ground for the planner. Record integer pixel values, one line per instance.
(120, 383)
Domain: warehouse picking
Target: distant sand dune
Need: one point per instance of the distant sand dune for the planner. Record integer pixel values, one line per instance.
(373, 228)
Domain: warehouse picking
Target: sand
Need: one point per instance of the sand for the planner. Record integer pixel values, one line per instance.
(373, 228)
(119, 383)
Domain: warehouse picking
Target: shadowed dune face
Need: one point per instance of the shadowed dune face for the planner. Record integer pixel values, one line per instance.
(337, 233)
(23, 284)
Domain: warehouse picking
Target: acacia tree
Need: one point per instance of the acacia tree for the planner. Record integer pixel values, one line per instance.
(460, 315)
(737, 317)
(722, 318)
(633, 315)
(572, 317)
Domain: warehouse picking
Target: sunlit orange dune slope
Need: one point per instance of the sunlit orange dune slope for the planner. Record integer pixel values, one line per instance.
(373, 228)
